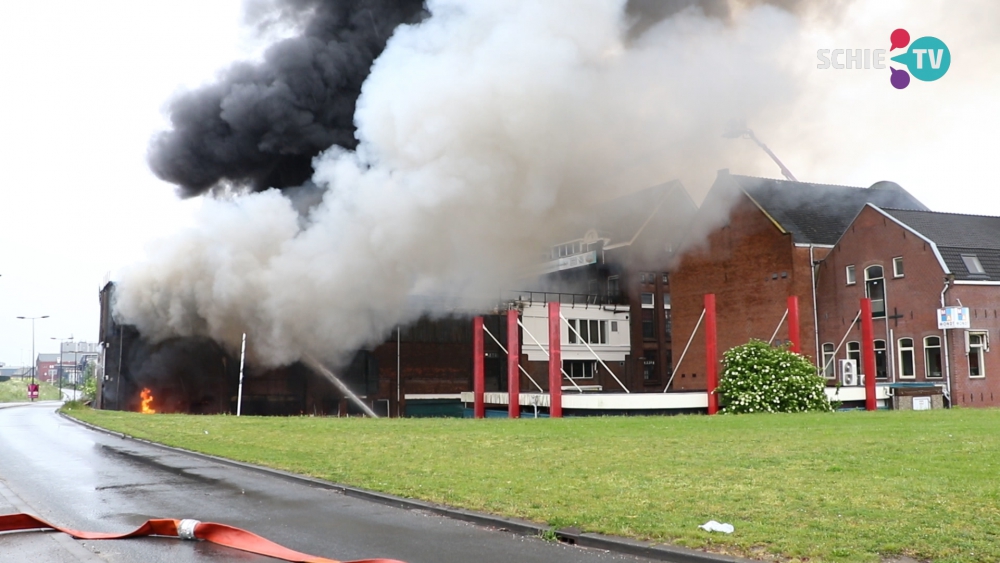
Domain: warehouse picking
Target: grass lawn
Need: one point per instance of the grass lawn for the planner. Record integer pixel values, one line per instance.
(817, 487)
(16, 391)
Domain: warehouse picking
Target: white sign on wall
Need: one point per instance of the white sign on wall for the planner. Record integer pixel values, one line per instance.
(953, 317)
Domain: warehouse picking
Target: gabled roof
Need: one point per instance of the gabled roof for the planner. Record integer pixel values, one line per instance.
(957, 235)
(818, 213)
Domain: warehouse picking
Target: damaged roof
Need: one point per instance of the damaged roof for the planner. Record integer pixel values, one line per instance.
(818, 213)
(958, 237)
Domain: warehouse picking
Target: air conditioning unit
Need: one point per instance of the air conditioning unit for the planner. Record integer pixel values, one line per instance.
(849, 373)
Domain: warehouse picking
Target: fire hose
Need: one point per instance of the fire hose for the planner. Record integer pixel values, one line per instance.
(220, 534)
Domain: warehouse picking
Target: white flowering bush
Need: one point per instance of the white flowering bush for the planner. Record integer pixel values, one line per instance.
(759, 378)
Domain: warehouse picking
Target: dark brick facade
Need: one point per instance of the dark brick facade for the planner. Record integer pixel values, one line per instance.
(752, 267)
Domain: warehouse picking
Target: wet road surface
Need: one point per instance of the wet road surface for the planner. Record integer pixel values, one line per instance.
(87, 480)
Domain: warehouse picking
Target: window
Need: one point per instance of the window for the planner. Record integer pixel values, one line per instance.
(614, 326)
(580, 369)
(897, 267)
(850, 275)
(932, 357)
(905, 353)
(666, 278)
(613, 289)
(642, 277)
(875, 290)
(588, 331)
(854, 353)
(666, 300)
(667, 324)
(972, 264)
(649, 367)
(648, 327)
(976, 344)
(646, 299)
(829, 370)
(881, 361)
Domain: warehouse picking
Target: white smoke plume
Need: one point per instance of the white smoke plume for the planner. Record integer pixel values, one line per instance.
(482, 130)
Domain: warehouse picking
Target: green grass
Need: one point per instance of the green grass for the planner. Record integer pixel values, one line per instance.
(817, 487)
(16, 391)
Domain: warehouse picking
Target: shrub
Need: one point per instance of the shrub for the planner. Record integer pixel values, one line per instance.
(759, 378)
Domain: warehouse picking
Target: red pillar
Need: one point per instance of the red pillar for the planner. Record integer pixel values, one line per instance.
(513, 366)
(868, 352)
(555, 362)
(793, 324)
(478, 369)
(711, 354)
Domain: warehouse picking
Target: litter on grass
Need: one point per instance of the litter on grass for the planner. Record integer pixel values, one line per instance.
(713, 526)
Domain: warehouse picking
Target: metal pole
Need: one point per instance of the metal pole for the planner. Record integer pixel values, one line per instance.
(711, 354)
(239, 392)
(478, 370)
(868, 348)
(399, 377)
(555, 362)
(513, 363)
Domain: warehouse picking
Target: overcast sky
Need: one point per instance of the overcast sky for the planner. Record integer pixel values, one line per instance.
(85, 84)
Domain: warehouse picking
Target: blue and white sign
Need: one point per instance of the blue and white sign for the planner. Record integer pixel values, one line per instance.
(953, 317)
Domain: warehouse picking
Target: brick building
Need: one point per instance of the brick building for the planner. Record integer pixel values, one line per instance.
(911, 263)
(758, 242)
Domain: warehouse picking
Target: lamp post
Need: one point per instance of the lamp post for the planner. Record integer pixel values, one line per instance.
(33, 359)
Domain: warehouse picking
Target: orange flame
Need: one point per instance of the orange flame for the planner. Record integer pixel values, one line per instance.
(147, 402)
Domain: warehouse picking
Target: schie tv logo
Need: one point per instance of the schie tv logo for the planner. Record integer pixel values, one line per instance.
(927, 59)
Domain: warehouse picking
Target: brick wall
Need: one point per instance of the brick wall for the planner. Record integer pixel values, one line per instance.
(912, 301)
(752, 268)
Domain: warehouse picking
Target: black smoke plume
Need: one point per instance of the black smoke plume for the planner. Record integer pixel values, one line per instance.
(261, 124)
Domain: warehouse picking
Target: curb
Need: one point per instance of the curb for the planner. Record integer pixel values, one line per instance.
(571, 536)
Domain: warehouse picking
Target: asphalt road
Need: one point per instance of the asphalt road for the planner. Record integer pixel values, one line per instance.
(87, 480)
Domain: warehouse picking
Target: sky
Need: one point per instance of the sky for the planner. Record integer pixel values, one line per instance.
(86, 84)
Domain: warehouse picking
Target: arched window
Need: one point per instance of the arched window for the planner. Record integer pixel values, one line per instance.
(829, 370)
(875, 290)
(932, 357)
(907, 370)
(881, 361)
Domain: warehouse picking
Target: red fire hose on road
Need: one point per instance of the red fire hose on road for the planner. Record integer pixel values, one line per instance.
(220, 534)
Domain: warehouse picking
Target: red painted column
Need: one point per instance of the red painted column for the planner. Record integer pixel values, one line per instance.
(711, 354)
(868, 352)
(478, 369)
(513, 366)
(793, 324)
(555, 362)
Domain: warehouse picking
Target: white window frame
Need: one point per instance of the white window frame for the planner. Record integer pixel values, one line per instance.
(897, 267)
(587, 335)
(927, 359)
(854, 347)
(876, 314)
(900, 350)
(851, 275)
(652, 300)
(829, 364)
(980, 349)
(972, 264)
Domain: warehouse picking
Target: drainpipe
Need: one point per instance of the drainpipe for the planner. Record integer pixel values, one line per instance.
(947, 368)
(812, 271)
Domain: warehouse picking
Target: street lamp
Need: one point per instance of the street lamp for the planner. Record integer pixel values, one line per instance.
(33, 359)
